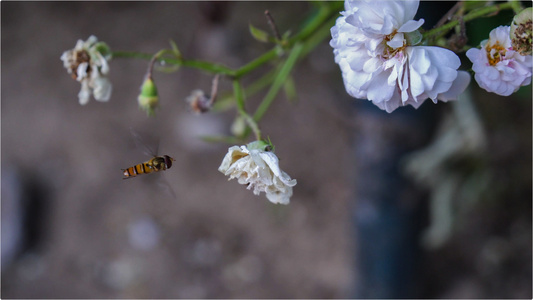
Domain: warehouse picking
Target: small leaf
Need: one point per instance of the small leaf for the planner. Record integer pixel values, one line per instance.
(175, 49)
(258, 34)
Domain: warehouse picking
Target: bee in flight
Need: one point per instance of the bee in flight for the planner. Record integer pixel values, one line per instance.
(155, 164)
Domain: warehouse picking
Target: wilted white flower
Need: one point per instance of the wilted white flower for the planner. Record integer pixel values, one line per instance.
(258, 167)
(88, 64)
(200, 102)
(373, 43)
(499, 68)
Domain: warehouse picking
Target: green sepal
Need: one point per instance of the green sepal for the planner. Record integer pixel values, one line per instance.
(260, 145)
(103, 48)
(413, 38)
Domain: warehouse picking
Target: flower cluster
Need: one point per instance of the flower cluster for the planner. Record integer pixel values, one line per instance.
(379, 49)
(374, 45)
(499, 68)
(88, 64)
(258, 167)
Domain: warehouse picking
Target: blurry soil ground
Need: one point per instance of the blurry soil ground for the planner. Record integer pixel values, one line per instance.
(93, 235)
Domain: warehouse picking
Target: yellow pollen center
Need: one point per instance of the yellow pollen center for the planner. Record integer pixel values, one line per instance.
(389, 51)
(495, 53)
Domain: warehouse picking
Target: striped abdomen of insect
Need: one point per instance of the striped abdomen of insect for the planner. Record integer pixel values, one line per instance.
(156, 164)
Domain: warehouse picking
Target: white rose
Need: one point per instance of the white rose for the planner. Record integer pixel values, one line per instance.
(258, 168)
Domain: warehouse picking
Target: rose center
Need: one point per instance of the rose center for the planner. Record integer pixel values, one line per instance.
(79, 58)
(495, 53)
(390, 52)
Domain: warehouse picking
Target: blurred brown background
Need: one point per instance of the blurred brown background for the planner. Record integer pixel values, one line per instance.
(101, 236)
(72, 228)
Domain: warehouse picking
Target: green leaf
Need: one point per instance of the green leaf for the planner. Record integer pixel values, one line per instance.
(279, 81)
(258, 34)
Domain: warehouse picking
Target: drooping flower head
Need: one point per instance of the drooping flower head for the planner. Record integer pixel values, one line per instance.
(499, 68)
(374, 45)
(257, 166)
(88, 64)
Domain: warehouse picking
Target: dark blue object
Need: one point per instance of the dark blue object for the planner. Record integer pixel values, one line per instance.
(389, 210)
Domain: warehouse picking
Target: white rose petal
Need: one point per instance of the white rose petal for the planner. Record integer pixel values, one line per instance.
(259, 169)
(371, 47)
(102, 89)
(506, 71)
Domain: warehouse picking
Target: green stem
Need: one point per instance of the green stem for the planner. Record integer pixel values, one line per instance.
(324, 13)
(254, 64)
(278, 82)
(227, 101)
(198, 64)
(516, 5)
(267, 79)
(239, 98)
(238, 94)
(152, 62)
(474, 14)
(318, 37)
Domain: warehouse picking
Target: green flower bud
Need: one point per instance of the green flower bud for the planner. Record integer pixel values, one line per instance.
(148, 99)
(521, 31)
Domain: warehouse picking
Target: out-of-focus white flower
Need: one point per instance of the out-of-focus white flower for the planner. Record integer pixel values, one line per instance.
(258, 167)
(499, 68)
(522, 31)
(88, 64)
(373, 43)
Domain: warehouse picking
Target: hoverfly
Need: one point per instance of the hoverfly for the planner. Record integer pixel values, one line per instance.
(155, 164)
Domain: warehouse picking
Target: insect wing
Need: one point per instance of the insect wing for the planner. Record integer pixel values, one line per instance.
(165, 185)
(142, 145)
